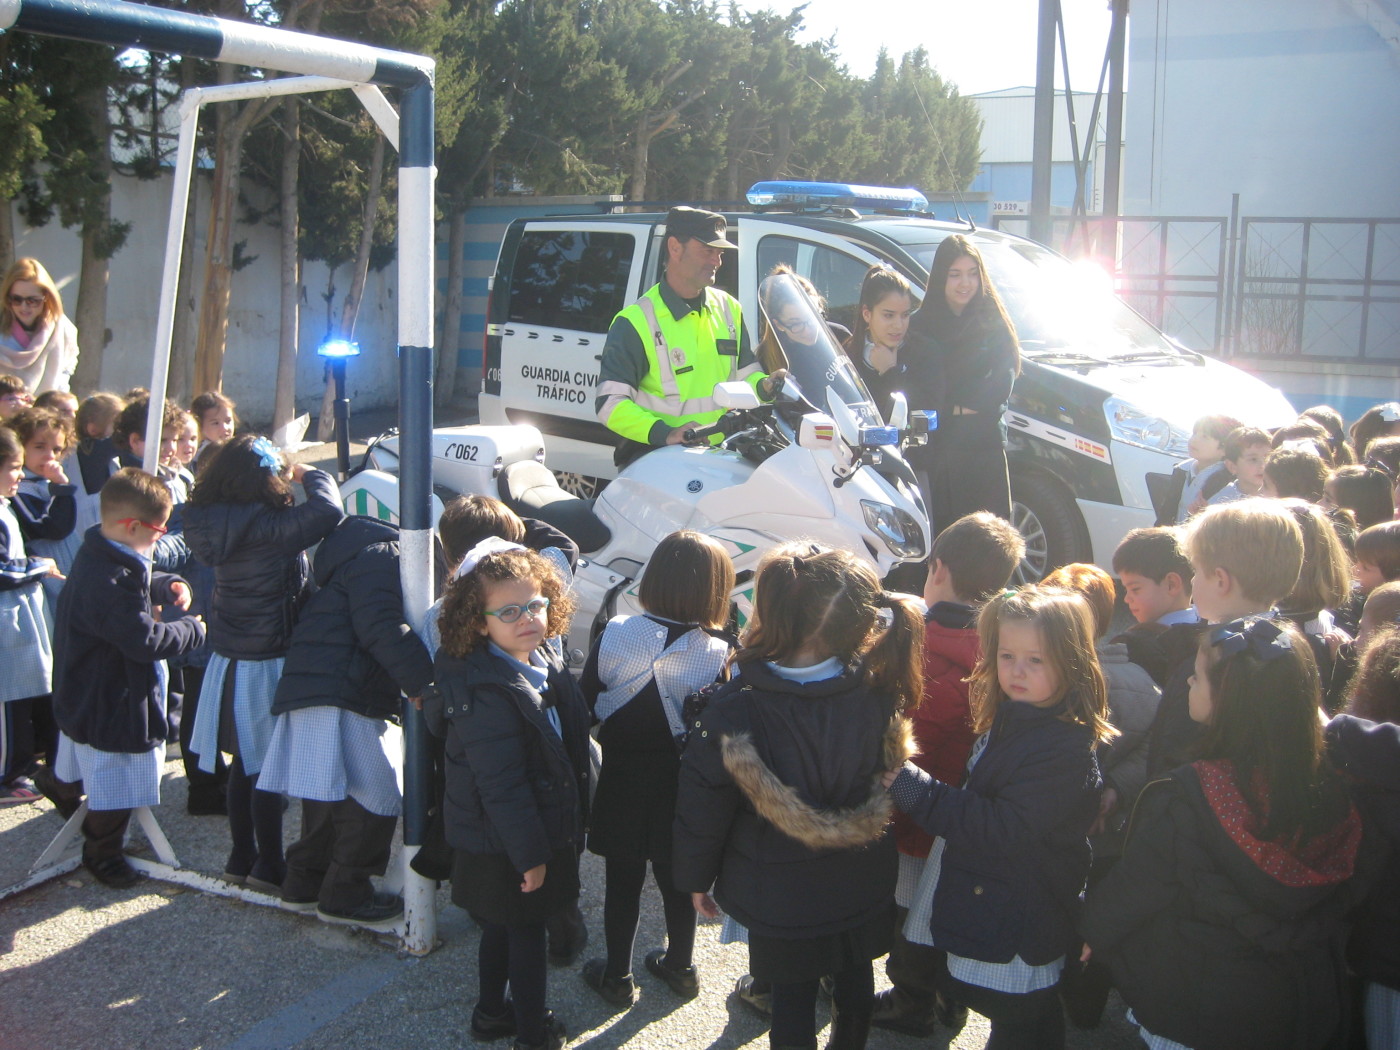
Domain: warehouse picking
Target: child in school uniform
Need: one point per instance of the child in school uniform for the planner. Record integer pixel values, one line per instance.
(1194, 481)
(971, 560)
(243, 522)
(216, 416)
(336, 743)
(780, 810)
(516, 731)
(109, 693)
(1224, 922)
(636, 680)
(1002, 885)
(96, 454)
(46, 504)
(1156, 578)
(14, 396)
(1245, 558)
(27, 668)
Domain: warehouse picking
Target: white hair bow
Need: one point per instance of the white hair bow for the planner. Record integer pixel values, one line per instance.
(490, 545)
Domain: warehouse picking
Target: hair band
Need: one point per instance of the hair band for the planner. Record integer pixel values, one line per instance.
(1263, 638)
(490, 545)
(268, 456)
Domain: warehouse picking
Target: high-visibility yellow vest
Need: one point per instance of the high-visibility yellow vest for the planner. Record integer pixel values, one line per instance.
(684, 362)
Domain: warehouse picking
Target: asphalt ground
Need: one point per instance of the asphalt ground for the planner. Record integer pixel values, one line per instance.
(164, 967)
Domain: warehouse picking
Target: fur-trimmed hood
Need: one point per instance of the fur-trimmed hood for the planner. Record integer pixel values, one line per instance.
(822, 829)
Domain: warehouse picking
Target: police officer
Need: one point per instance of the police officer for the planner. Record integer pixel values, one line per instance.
(666, 352)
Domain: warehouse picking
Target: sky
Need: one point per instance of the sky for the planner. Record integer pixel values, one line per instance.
(979, 45)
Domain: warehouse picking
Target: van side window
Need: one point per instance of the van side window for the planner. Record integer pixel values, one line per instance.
(836, 275)
(570, 278)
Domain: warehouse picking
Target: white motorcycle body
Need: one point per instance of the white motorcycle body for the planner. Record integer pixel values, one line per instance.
(811, 476)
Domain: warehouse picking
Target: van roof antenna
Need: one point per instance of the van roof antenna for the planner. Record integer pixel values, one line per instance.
(958, 201)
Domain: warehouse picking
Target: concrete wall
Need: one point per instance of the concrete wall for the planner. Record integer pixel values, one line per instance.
(1289, 103)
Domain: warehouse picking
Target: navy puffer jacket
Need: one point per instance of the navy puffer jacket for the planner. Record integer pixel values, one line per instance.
(261, 574)
(352, 647)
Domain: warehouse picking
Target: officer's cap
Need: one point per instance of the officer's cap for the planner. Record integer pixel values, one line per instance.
(707, 227)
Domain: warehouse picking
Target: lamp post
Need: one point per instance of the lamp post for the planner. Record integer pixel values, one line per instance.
(337, 351)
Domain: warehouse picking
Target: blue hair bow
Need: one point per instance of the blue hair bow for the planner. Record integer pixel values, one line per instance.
(268, 456)
(1263, 638)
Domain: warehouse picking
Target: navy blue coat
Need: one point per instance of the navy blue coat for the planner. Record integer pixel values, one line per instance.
(261, 574)
(1017, 854)
(514, 786)
(352, 647)
(106, 644)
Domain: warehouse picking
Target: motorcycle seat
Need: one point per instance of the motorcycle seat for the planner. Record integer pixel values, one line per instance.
(530, 489)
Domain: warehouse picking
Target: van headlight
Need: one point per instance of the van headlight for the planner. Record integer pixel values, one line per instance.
(896, 527)
(1127, 422)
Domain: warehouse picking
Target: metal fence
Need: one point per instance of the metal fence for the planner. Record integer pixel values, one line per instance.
(1317, 289)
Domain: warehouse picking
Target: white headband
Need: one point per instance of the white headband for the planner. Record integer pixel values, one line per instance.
(490, 545)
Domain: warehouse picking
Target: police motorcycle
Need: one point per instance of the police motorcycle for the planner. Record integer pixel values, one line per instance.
(816, 463)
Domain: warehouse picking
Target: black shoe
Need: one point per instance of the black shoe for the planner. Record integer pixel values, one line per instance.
(554, 1036)
(66, 798)
(951, 1015)
(684, 982)
(382, 908)
(898, 1013)
(756, 995)
(485, 1027)
(849, 1031)
(113, 871)
(619, 991)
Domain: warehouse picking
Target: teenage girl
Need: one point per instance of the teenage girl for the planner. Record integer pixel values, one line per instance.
(963, 345)
(517, 771)
(780, 810)
(241, 521)
(886, 301)
(96, 457)
(636, 680)
(1001, 887)
(1223, 924)
(26, 669)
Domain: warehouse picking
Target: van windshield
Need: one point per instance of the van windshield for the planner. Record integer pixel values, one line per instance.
(1060, 307)
(796, 337)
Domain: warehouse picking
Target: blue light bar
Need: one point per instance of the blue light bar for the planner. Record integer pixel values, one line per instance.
(844, 194)
(338, 348)
(873, 437)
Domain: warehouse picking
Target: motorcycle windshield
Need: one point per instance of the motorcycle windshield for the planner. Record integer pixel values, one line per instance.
(796, 337)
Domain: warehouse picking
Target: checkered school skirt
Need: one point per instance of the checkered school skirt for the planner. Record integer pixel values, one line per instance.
(254, 683)
(327, 754)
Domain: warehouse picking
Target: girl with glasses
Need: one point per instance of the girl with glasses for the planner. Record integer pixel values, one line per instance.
(517, 771)
(37, 341)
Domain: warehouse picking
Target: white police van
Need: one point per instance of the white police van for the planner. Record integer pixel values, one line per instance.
(1104, 398)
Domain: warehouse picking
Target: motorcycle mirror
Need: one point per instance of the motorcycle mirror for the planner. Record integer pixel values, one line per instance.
(736, 396)
(899, 411)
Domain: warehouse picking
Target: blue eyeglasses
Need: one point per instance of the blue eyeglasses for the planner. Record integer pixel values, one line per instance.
(511, 613)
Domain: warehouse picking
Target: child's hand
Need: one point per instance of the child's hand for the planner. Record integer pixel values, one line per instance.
(888, 777)
(182, 595)
(299, 471)
(53, 471)
(1335, 639)
(534, 878)
(1108, 802)
(1086, 954)
(705, 905)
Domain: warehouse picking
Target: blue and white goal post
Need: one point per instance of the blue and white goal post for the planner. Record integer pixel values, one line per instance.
(320, 63)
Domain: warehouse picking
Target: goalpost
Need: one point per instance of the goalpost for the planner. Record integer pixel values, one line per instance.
(322, 64)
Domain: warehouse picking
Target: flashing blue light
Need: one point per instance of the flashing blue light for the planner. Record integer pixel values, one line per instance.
(338, 348)
(836, 193)
(872, 437)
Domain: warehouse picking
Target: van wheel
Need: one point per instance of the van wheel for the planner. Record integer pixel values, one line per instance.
(1046, 517)
(581, 485)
